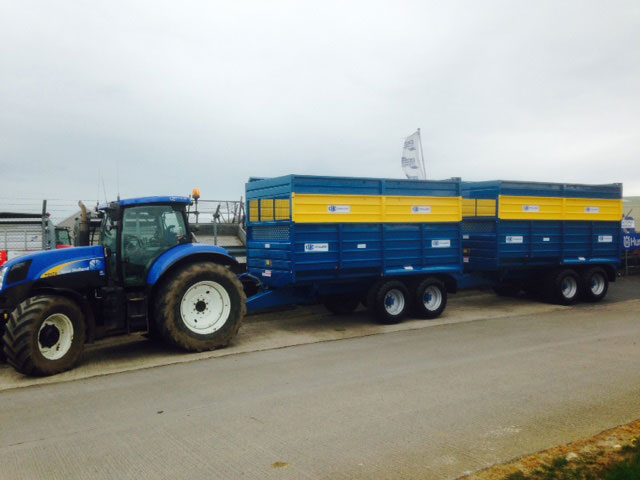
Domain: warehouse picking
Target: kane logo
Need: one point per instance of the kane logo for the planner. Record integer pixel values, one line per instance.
(339, 209)
(316, 247)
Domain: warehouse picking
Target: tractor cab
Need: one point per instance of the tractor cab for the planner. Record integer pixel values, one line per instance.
(135, 232)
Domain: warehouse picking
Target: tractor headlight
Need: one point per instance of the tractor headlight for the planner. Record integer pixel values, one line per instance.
(3, 273)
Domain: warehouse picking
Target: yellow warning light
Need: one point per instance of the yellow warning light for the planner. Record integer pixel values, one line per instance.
(196, 193)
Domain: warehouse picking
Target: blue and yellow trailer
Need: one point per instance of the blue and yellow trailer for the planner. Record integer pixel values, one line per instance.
(394, 244)
(561, 238)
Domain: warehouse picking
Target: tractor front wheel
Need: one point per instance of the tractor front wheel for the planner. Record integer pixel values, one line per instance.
(44, 335)
(200, 307)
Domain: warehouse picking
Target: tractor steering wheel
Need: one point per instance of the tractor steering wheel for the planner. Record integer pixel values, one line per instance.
(133, 245)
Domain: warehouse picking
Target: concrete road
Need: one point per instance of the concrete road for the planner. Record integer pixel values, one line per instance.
(422, 403)
(297, 326)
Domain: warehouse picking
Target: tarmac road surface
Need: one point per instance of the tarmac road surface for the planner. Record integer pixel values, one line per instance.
(421, 403)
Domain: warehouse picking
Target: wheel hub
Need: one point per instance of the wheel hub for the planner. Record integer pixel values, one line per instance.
(49, 336)
(205, 307)
(394, 302)
(55, 336)
(432, 298)
(597, 284)
(569, 287)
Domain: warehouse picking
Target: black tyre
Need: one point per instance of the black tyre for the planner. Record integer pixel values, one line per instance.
(507, 290)
(200, 307)
(341, 304)
(430, 298)
(388, 301)
(44, 335)
(2, 357)
(563, 287)
(595, 284)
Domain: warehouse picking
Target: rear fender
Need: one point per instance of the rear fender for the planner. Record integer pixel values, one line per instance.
(187, 253)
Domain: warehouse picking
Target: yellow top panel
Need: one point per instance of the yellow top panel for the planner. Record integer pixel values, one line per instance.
(312, 208)
(266, 209)
(283, 209)
(472, 207)
(254, 212)
(556, 208)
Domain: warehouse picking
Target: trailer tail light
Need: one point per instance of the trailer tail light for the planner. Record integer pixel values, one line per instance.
(3, 257)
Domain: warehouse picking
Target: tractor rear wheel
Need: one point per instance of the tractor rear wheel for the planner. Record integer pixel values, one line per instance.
(200, 307)
(44, 335)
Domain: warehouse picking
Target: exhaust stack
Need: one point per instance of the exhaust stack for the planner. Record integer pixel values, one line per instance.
(82, 233)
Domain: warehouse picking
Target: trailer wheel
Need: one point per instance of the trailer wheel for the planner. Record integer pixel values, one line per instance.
(341, 304)
(563, 287)
(595, 284)
(388, 301)
(430, 298)
(44, 335)
(200, 307)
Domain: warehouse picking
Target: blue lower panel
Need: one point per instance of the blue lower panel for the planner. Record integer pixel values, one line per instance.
(498, 244)
(329, 252)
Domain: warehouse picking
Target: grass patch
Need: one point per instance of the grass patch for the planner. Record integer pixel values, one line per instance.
(622, 464)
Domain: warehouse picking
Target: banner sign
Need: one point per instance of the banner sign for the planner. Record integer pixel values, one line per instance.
(630, 237)
(411, 162)
(631, 241)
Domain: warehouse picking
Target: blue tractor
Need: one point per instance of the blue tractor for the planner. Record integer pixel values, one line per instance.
(147, 275)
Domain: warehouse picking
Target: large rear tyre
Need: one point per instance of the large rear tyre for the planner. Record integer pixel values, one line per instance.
(595, 284)
(200, 307)
(430, 298)
(44, 335)
(341, 304)
(563, 287)
(388, 301)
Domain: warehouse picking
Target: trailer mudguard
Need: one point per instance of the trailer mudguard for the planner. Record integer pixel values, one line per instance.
(196, 251)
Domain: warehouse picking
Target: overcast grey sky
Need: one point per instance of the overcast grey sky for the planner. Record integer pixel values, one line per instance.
(205, 94)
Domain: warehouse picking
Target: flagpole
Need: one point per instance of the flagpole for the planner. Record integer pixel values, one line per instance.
(424, 168)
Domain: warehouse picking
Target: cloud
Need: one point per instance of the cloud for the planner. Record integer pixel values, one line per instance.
(169, 96)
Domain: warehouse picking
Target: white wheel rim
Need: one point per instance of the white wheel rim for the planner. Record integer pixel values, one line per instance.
(597, 284)
(205, 307)
(394, 302)
(432, 298)
(569, 287)
(55, 336)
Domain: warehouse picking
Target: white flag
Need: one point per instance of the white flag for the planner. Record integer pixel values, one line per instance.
(412, 163)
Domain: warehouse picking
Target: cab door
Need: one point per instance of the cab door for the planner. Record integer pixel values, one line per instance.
(147, 232)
